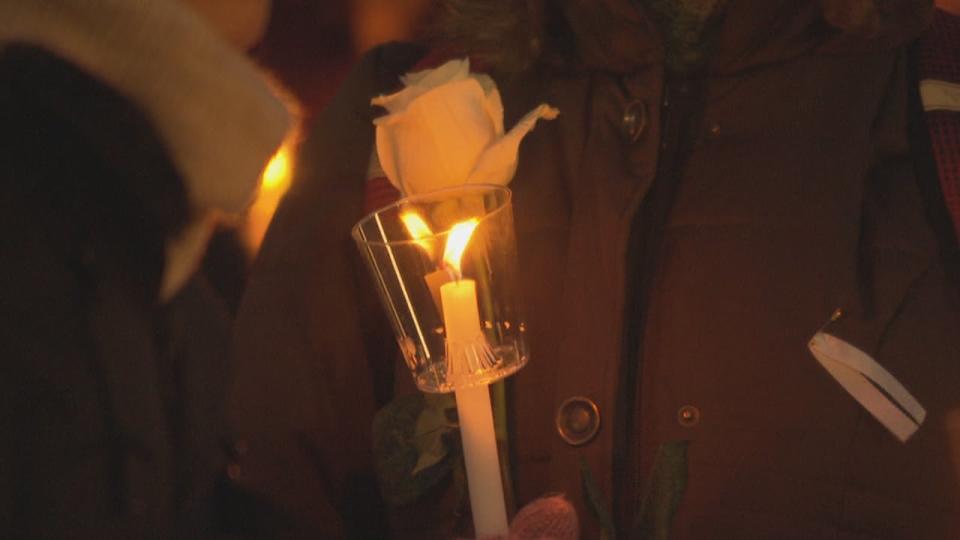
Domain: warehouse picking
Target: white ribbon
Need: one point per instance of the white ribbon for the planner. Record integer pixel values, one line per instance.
(939, 95)
(879, 392)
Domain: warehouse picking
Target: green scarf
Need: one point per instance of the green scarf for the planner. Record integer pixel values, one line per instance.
(689, 29)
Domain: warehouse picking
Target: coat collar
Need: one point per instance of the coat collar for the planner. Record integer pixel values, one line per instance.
(619, 36)
(612, 35)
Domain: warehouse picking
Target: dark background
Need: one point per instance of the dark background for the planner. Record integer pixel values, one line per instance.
(310, 44)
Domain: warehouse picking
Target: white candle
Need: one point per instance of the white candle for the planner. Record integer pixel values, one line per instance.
(483, 464)
(462, 322)
(461, 318)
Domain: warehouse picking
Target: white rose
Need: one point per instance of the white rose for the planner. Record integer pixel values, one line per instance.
(445, 128)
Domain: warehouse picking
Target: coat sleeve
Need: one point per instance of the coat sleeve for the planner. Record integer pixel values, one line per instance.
(313, 356)
(906, 313)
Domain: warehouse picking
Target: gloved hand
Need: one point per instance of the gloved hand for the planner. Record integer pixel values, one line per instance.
(547, 518)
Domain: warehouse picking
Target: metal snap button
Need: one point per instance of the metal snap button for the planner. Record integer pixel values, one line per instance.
(688, 416)
(578, 420)
(634, 120)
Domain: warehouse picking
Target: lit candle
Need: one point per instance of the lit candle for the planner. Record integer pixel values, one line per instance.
(466, 346)
(423, 237)
(482, 462)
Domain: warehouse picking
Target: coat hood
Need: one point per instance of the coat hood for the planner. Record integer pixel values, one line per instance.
(620, 36)
(217, 117)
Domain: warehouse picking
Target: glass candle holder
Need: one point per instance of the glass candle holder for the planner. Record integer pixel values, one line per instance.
(445, 266)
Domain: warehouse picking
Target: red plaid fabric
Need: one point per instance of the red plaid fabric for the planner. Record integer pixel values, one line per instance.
(939, 60)
(379, 192)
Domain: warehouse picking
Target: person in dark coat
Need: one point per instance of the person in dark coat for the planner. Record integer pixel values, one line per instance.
(128, 130)
(738, 320)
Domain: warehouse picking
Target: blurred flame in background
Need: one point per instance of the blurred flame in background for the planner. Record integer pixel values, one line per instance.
(274, 183)
(277, 173)
(307, 50)
(419, 231)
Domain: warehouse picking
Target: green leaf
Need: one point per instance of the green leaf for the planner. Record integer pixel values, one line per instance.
(432, 425)
(410, 449)
(442, 402)
(430, 453)
(594, 499)
(664, 491)
(498, 396)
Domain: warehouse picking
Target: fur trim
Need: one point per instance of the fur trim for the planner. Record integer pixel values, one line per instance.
(210, 105)
(505, 35)
(872, 18)
(512, 34)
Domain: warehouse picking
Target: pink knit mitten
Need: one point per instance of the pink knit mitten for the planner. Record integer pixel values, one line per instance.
(547, 518)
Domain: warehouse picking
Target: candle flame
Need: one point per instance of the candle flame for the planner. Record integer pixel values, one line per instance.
(274, 182)
(418, 230)
(277, 173)
(457, 242)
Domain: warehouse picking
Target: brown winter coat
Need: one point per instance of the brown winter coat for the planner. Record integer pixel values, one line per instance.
(111, 402)
(685, 269)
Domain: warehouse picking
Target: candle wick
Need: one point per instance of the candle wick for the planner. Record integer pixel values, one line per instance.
(454, 273)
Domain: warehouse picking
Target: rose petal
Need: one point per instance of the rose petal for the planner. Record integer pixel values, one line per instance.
(446, 128)
(452, 70)
(493, 101)
(436, 141)
(498, 162)
(421, 82)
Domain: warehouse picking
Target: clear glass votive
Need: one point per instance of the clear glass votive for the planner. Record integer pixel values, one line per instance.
(445, 266)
